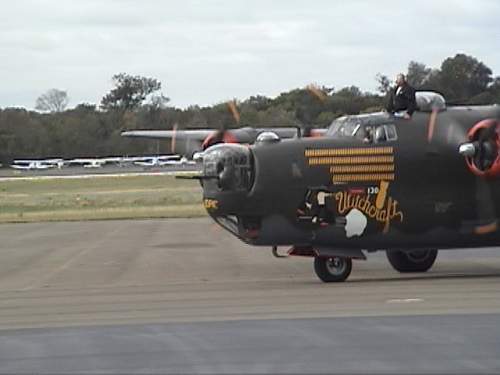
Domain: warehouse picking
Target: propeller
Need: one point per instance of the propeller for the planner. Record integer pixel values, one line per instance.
(432, 124)
(481, 152)
(482, 149)
(174, 138)
(317, 93)
(234, 110)
(223, 135)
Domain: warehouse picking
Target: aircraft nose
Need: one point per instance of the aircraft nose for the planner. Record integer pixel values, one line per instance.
(227, 178)
(230, 167)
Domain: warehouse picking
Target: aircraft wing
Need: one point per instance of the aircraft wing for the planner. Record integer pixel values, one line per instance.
(143, 163)
(133, 159)
(17, 166)
(26, 161)
(169, 157)
(200, 134)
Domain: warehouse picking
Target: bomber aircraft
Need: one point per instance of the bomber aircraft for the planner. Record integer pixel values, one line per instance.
(372, 182)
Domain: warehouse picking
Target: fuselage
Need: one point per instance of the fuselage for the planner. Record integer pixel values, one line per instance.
(373, 182)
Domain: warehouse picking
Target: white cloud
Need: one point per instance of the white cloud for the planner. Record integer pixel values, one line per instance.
(207, 51)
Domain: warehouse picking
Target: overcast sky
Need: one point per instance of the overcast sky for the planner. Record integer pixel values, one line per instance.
(205, 52)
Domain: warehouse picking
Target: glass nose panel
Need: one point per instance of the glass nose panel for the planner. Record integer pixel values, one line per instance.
(230, 165)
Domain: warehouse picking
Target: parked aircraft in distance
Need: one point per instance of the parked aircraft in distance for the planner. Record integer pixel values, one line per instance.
(87, 162)
(157, 161)
(29, 165)
(144, 161)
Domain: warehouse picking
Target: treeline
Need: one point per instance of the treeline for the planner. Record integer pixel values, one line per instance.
(136, 102)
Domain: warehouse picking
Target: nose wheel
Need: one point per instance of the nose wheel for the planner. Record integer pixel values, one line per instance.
(332, 269)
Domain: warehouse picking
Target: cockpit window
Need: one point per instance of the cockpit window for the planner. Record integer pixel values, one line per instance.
(381, 133)
(390, 130)
(352, 127)
(345, 127)
(361, 127)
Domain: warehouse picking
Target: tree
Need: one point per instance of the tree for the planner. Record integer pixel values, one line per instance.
(463, 77)
(53, 100)
(351, 92)
(495, 90)
(158, 102)
(418, 74)
(350, 100)
(259, 102)
(155, 109)
(384, 85)
(130, 92)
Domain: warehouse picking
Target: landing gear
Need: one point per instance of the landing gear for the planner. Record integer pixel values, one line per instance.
(411, 261)
(332, 269)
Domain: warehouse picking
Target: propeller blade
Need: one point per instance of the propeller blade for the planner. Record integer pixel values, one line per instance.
(432, 124)
(174, 138)
(486, 214)
(316, 92)
(234, 110)
(480, 149)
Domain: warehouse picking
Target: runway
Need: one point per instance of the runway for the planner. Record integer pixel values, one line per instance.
(183, 296)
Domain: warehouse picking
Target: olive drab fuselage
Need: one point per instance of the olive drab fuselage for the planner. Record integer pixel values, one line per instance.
(374, 182)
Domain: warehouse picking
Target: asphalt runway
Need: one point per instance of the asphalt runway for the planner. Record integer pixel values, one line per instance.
(183, 296)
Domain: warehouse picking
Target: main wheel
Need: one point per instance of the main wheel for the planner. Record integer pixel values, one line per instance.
(411, 261)
(333, 269)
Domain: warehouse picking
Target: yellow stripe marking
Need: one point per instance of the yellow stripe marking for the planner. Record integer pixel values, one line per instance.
(362, 168)
(363, 177)
(348, 151)
(352, 160)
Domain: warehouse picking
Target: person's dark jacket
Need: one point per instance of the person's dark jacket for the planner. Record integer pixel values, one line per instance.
(402, 101)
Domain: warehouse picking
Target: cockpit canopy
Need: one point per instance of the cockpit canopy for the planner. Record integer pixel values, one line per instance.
(354, 126)
(369, 127)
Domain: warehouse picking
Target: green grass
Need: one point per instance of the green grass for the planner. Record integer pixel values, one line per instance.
(95, 198)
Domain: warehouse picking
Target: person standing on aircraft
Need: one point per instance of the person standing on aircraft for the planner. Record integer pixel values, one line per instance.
(402, 98)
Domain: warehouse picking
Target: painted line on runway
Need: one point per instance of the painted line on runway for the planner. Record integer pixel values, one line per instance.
(404, 300)
(132, 174)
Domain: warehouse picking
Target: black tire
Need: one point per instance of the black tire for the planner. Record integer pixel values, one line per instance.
(411, 261)
(332, 269)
